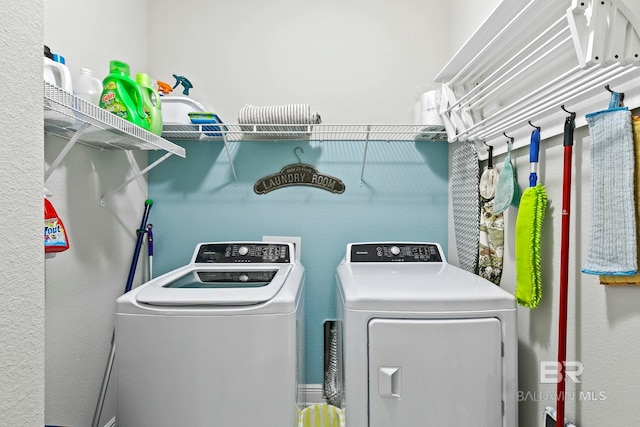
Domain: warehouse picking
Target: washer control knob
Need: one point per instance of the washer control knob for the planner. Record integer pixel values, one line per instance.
(394, 250)
(243, 250)
(243, 277)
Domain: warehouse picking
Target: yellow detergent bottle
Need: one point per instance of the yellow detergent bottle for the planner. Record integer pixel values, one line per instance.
(122, 96)
(152, 104)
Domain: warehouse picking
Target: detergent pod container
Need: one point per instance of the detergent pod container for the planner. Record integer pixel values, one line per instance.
(122, 96)
(57, 74)
(176, 109)
(55, 234)
(152, 105)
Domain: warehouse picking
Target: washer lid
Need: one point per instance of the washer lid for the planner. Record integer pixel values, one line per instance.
(422, 287)
(216, 285)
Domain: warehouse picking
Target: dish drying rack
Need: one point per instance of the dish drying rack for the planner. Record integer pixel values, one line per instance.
(532, 61)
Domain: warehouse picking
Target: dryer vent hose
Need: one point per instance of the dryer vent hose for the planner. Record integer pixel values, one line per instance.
(332, 386)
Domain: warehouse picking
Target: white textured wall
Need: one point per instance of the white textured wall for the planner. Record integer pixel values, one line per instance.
(21, 253)
(83, 282)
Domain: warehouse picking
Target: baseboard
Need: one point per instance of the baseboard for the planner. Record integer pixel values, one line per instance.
(111, 422)
(313, 394)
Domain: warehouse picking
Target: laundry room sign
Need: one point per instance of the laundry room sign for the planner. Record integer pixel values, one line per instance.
(299, 174)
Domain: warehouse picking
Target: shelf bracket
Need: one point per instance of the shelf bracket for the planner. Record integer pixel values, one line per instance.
(133, 178)
(364, 158)
(226, 147)
(65, 150)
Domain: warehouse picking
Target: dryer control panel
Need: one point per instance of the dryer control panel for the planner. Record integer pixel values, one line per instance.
(394, 252)
(242, 253)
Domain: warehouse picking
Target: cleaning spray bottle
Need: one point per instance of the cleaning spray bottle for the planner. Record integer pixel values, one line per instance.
(55, 234)
(152, 105)
(122, 96)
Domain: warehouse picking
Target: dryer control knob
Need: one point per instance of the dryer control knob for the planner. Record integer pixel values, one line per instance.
(394, 250)
(243, 250)
(243, 277)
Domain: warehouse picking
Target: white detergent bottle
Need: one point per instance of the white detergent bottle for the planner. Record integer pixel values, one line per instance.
(57, 74)
(60, 72)
(87, 87)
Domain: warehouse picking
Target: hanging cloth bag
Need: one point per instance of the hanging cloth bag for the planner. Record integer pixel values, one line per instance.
(508, 190)
(491, 243)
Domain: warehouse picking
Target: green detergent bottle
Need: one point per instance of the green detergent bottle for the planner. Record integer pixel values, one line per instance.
(152, 105)
(122, 96)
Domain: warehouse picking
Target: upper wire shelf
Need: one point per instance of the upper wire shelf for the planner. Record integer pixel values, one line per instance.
(65, 114)
(315, 132)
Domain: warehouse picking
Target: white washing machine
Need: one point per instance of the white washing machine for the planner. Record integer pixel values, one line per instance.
(217, 342)
(423, 342)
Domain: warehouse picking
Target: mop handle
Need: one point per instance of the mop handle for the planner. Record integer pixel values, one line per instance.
(150, 239)
(534, 153)
(569, 126)
(150, 249)
(134, 262)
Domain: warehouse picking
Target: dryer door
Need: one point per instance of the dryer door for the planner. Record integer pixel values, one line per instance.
(435, 372)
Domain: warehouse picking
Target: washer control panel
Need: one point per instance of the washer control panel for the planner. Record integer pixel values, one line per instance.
(242, 253)
(394, 252)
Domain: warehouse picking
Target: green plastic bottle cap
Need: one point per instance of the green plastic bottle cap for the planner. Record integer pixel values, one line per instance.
(119, 67)
(143, 79)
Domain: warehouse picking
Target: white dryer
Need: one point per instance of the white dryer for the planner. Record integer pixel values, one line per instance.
(424, 342)
(217, 342)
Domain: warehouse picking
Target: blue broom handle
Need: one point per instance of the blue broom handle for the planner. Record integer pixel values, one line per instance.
(534, 153)
(134, 262)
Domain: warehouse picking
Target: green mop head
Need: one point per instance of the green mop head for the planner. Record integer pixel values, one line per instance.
(528, 228)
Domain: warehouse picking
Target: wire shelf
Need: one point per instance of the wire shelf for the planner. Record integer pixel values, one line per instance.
(315, 132)
(65, 114)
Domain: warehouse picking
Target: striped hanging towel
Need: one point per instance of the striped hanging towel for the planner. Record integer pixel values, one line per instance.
(612, 240)
(634, 279)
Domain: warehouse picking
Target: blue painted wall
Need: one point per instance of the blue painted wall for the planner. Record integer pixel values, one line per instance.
(403, 197)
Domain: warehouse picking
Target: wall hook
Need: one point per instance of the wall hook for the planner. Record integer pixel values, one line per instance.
(571, 113)
(608, 88)
(566, 111)
(490, 155)
(534, 126)
(510, 138)
(296, 154)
